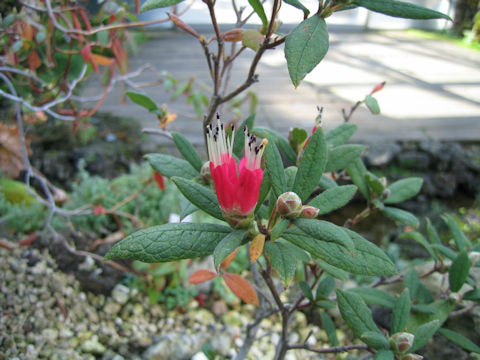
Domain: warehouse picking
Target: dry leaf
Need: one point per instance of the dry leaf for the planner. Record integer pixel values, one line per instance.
(11, 155)
(241, 288)
(101, 60)
(202, 275)
(256, 247)
(228, 260)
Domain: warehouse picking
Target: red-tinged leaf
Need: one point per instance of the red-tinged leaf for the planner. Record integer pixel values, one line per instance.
(377, 88)
(99, 210)
(241, 288)
(111, 19)
(201, 276)
(28, 240)
(102, 60)
(93, 61)
(160, 180)
(76, 23)
(228, 260)
(85, 19)
(180, 24)
(6, 245)
(137, 6)
(120, 56)
(86, 53)
(256, 247)
(34, 61)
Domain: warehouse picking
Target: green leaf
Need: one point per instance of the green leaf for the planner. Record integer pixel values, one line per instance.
(228, 245)
(332, 270)
(372, 103)
(239, 140)
(306, 290)
(400, 215)
(199, 195)
(442, 310)
(264, 190)
(142, 100)
(282, 260)
(186, 208)
(187, 150)
(365, 259)
(281, 142)
(374, 183)
(171, 166)
(327, 183)
(329, 328)
(298, 253)
(297, 136)
(169, 242)
(290, 175)
(472, 295)
(424, 333)
(401, 312)
(459, 271)
(404, 189)
(274, 168)
(384, 355)
(375, 340)
(258, 8)
(341, 134)
(357, 172)
(461, 241)
(355, 312)
(297, 4)
(305, 47)
(432, 233)
(279, 228)
(419, 238)
(311, 165)
(400, 9)
(325, 287)
(411, 281)
(460, 340)
(155, 4)
(445, 251)
(341, 156)
(325, 231)
(252, 38)
(374, 296)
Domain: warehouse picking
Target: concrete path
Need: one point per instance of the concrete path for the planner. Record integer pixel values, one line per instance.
(432, 91)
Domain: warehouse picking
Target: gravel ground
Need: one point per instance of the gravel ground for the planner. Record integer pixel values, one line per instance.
(45, 315)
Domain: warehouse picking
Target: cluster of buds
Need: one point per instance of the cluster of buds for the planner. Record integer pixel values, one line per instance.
(401, 342)
(289, 205)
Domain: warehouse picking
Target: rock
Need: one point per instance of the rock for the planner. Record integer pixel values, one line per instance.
(50, 335)
(414, 160)
(112, 308)
(93, 346)
(120, 294)
(382, 154)
(199, 356)
(176, 346)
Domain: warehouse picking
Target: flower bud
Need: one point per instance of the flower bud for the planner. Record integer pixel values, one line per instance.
(233, 35)
(412, 357)
(309, 212)
(455, 297)
(474, 258)
(289, 205)
(205, 173)
(401, 341)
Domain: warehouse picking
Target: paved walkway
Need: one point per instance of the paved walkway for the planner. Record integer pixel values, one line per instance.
(432, 91)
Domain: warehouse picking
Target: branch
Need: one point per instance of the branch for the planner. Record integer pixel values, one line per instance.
(332, 350)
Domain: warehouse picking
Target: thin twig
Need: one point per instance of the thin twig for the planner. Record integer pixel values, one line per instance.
(332, 350)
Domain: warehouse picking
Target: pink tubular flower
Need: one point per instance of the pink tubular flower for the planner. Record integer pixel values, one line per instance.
(237, 189)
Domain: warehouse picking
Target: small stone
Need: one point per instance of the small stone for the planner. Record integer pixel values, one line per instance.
(93, 346)
(112, 308)
(120, 294)
(199, 356)
(50, 335)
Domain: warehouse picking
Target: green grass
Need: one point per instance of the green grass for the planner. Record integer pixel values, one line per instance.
(444, 36)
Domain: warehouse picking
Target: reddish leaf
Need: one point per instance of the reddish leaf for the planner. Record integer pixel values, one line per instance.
(34, 61)
(102, 60)
(160, 180)
(86, 52)
(241, 288)
(85, 19)
(228, 260)
(11, 154)
(179, 23)
(137, 6)
(99, 209)
(256, 247)
(28, 240)
(202, 275)
(76, 24)
(377, 88)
